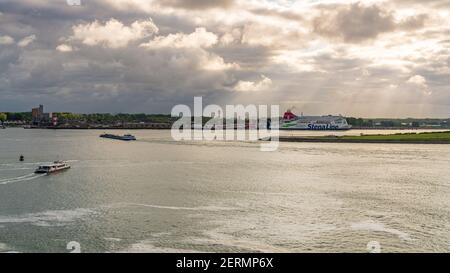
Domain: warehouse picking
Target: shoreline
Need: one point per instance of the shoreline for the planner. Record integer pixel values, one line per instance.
(367, 141)
(93, 128)
(165, 127)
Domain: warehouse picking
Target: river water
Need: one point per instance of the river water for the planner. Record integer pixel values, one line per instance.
(157, 195)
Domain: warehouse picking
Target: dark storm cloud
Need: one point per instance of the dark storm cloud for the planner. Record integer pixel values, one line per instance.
(356, 23)
(128, 79)
(414, 22)
(93, 75)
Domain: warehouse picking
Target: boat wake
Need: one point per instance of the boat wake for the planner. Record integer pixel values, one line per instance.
(14, 169)
(23, 178)
(380, 227)
(23, 163)
(48, 218)
(203, 208)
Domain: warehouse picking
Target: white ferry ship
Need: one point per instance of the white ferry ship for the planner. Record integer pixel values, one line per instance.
(52, 168)
(291, 121)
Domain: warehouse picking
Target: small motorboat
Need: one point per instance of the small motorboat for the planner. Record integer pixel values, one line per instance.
(52, 168)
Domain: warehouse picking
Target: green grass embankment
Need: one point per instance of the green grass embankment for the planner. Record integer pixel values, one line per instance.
(425, 137)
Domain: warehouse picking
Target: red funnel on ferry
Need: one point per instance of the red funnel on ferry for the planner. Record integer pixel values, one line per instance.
(289, 115)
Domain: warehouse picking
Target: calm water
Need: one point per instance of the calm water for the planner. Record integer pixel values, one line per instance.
(155, 195)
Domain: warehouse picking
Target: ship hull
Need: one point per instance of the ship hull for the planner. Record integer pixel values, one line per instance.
(52, 171)
(123, 138)
(308, 129)
(314, 127)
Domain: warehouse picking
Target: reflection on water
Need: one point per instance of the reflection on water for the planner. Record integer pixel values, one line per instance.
(156, 195)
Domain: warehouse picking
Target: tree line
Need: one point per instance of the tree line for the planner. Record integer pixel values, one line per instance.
(96, 117)
(112, 118)
(106, 118)
(407, 122)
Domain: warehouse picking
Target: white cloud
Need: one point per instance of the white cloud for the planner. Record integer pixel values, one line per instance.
(213, 62)
(6, 40)
(193, 44)
(113, 33)
(26, 41)
(64, 48)
(418, 80)
(233, 36)
(248, 86)
(200, 38)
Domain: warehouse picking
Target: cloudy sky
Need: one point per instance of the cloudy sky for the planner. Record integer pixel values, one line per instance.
(369, 58)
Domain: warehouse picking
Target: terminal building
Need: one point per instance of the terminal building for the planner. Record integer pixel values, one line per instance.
(39, 118)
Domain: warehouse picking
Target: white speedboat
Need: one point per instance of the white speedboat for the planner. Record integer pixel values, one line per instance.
(52, 168)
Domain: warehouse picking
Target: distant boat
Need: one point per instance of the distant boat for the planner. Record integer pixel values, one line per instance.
(124, 137)
(52, 168)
